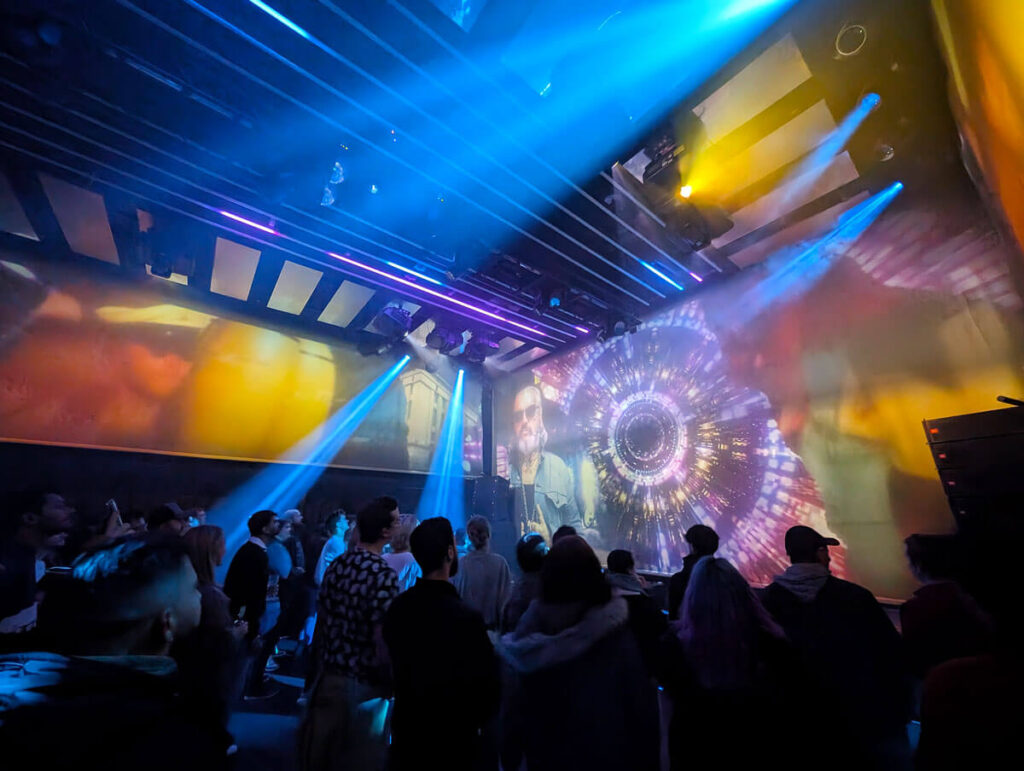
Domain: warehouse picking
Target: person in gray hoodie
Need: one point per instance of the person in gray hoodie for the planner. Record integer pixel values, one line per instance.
(581, 696)
(483, 580)
(850, 653)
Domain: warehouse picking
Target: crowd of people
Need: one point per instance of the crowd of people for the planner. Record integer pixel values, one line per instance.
(419, 653)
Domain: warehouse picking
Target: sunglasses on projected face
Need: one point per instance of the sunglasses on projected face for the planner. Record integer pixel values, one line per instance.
(530, 413)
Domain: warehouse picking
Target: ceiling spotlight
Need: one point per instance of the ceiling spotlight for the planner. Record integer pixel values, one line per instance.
(327, 199)
(618, 326)
(886, 152)
(482, 345)
(337, 174)
(374, 189)
(394, 322)
(686, 191)
(850, 40)
(444, 339)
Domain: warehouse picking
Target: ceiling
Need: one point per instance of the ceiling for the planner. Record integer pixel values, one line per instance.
(483, 166)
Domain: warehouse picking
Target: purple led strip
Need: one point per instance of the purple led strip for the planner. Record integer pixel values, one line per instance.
(250, 223)
(433, 293)
(584, 330)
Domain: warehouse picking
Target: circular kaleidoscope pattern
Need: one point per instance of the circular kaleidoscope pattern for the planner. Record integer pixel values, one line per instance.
(675, 443)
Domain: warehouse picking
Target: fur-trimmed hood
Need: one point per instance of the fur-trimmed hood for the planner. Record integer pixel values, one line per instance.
(548, 635)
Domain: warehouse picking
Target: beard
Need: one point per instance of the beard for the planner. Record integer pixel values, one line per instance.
(531, 443)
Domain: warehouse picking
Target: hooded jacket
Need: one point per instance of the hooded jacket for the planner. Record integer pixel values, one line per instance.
(847, 646)
(581, 696)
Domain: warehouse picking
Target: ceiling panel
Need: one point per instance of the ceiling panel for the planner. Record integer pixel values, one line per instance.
(12, 215)
(346, 303)
(764, 81)
(234, 267)
(82, 216)
(294, 286)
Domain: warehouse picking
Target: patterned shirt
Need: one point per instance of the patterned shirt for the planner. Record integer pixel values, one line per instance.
(357, 589)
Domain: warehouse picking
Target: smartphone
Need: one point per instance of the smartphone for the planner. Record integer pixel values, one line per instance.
(113, 510)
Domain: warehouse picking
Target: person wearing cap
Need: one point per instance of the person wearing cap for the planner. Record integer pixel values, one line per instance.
(850, 651)
(169, 518)
(703, 542)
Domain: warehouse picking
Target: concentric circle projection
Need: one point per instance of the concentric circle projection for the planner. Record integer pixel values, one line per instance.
(647, 438)
(675, 442)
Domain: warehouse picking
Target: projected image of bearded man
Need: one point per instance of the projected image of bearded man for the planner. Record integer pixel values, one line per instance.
(542, 482)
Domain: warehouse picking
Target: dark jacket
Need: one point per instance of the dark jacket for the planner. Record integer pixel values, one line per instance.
(942, 622)
(583, 698)
(647, 623)
(706, 722)
(850, 651)
(524, 591)
(246, 584)
(971, 715)
(210, 660)
(677, 585)
(118, 714)
(445, 677)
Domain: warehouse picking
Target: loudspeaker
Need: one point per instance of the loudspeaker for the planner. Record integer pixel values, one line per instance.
(491, 499)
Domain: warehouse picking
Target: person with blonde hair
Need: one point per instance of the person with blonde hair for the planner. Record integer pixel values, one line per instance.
(484, 580)
(400, 559)
(212, 661)
(723, 670)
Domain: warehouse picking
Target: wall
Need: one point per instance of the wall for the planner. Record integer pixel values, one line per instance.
(118, 364)
(793, 393)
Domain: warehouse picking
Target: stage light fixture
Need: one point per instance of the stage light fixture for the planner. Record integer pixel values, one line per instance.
(444, 339)
(337, 174)
(394, 322)
(374, 189)
(482, 345)
(850, 40)
(327, 199)
(686, 191)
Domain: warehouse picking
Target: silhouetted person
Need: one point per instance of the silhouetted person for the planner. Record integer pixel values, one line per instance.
(723, 669)
(108, 700)
(344, 727)
(531, 550)
(33, 523)
(562, 532)
(246, 584)
(647, 622)
(439, 648)
(337, 528)
(484, 580)
(971, 713)
(583, 698)
(940, 621)
(211, 660)
(168, 518)
(849, 648)
(400, 558)
(703, 542)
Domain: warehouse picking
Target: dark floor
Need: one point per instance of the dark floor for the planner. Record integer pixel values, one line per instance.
(266, 731)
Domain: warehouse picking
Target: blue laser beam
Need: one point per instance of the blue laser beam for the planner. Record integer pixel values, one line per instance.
(443, 495)
(283, 484)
